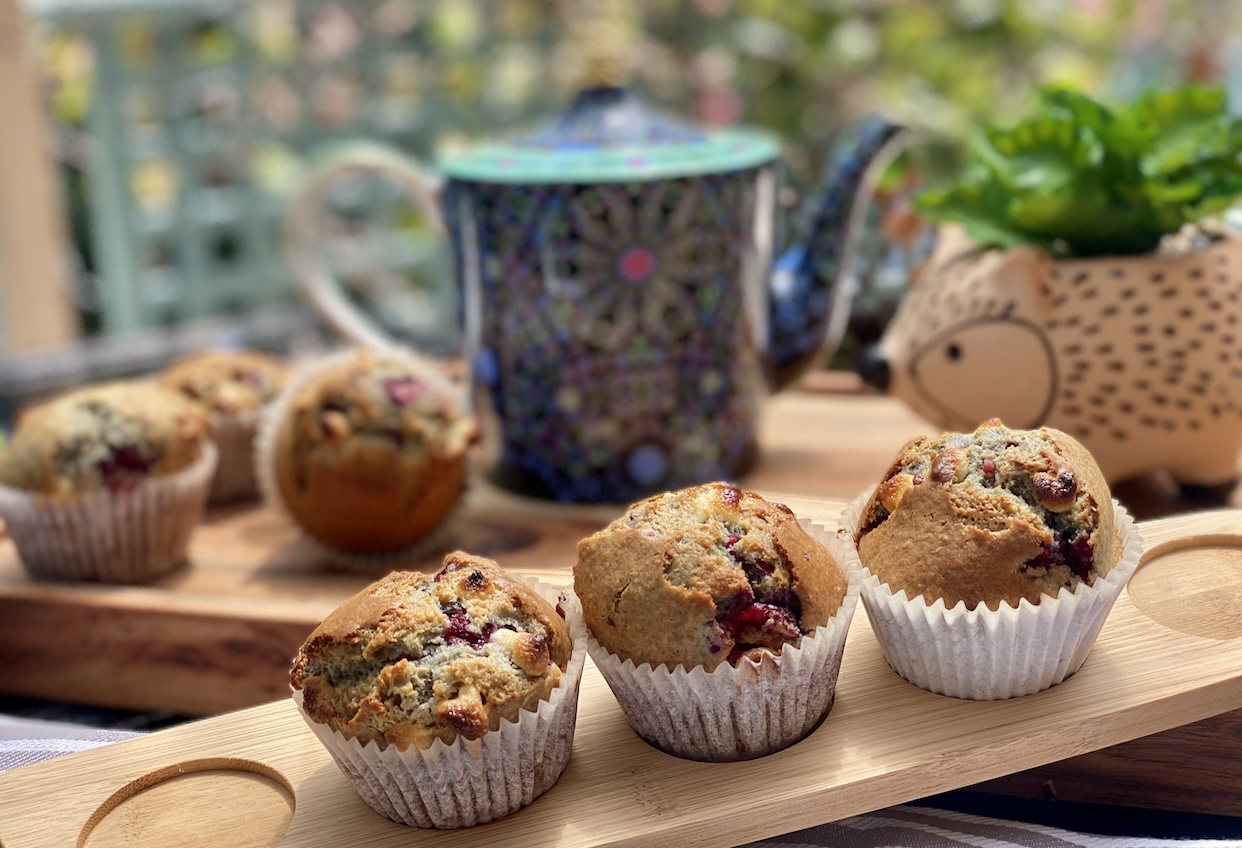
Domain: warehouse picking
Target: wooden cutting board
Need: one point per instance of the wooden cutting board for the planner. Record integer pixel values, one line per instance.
(1169, 654)
(220, 633)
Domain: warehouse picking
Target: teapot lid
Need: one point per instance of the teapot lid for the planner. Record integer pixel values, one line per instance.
(609, 135)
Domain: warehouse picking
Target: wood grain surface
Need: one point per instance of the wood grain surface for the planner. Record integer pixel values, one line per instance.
(219, 634)
(885, 742)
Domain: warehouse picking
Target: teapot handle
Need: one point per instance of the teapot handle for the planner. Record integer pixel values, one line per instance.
(320, 285)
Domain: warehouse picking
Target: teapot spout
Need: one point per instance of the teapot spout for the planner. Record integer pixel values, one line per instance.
(814, 281)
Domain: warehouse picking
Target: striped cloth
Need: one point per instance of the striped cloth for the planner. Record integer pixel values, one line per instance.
(925, 827)
(26, 741)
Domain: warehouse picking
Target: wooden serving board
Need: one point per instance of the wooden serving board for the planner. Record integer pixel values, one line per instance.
(1169, 654)
(220, 633)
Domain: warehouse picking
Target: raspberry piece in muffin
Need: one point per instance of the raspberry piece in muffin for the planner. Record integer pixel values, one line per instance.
(704, 576)
(417, 657)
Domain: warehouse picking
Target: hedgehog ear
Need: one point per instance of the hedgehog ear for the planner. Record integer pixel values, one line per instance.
(952, 242)
(951, 245)
(1022, 277)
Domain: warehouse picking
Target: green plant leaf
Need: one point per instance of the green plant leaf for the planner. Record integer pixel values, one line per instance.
(979, 208)
(1079, 222)
(1051, 214)
(1193, 127)
(1084, 179)
(1119, 132)
(1221, 194)
(1044, 154)
(1177, 192)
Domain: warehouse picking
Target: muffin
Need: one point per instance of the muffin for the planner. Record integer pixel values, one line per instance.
(367, 452)
(991, 559)
(450, 699)
(717, 619)
(106, 483)
(233, 387)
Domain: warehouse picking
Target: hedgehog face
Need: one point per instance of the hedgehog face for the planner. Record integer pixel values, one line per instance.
(1136, 357)
(981, 369)
(977, 321)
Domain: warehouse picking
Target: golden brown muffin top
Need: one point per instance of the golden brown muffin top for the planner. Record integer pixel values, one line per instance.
(111, 436)
(227, 381)
(990, 516)
(399, 401)
(705, 575)
(418, 657)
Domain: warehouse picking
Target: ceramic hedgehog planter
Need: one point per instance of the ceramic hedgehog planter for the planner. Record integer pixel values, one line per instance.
(1140, 358)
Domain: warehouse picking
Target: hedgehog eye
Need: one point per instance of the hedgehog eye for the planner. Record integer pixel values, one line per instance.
(953, 352)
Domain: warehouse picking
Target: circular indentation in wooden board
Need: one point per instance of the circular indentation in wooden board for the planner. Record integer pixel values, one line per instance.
(219, 801)
(1195, 590)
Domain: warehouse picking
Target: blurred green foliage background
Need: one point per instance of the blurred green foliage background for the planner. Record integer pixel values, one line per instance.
(806, 69)
(434, 74)
(810, 69)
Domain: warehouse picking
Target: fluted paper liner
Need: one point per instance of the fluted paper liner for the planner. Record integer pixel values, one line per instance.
(470, 782)
(233, 434)
(110, 537)
(736, 712)
(985, 654)
(265, 467)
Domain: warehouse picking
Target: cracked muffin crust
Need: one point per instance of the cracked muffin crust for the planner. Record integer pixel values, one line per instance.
(417, 657)
(106, 437)
(369, 455)
(990, 516)
(227, 382)
(704, 576)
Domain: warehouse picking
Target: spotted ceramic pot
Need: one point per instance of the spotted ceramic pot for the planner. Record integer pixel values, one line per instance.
(1137, 357)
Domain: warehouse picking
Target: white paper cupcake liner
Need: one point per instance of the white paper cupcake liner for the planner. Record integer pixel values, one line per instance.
(736, 712)
(110, 537)
(985, 654)
(264, 448)
(470, 782)
(233, 435)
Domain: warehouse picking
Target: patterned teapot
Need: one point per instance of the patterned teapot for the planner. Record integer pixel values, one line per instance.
(622, 312)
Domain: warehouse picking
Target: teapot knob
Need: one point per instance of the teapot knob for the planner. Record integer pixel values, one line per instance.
(605, 31)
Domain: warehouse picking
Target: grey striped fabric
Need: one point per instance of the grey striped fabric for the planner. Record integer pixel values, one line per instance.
(921, 827)
(24, 742)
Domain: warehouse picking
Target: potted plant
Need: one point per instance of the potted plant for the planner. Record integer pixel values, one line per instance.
(1081, 281)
